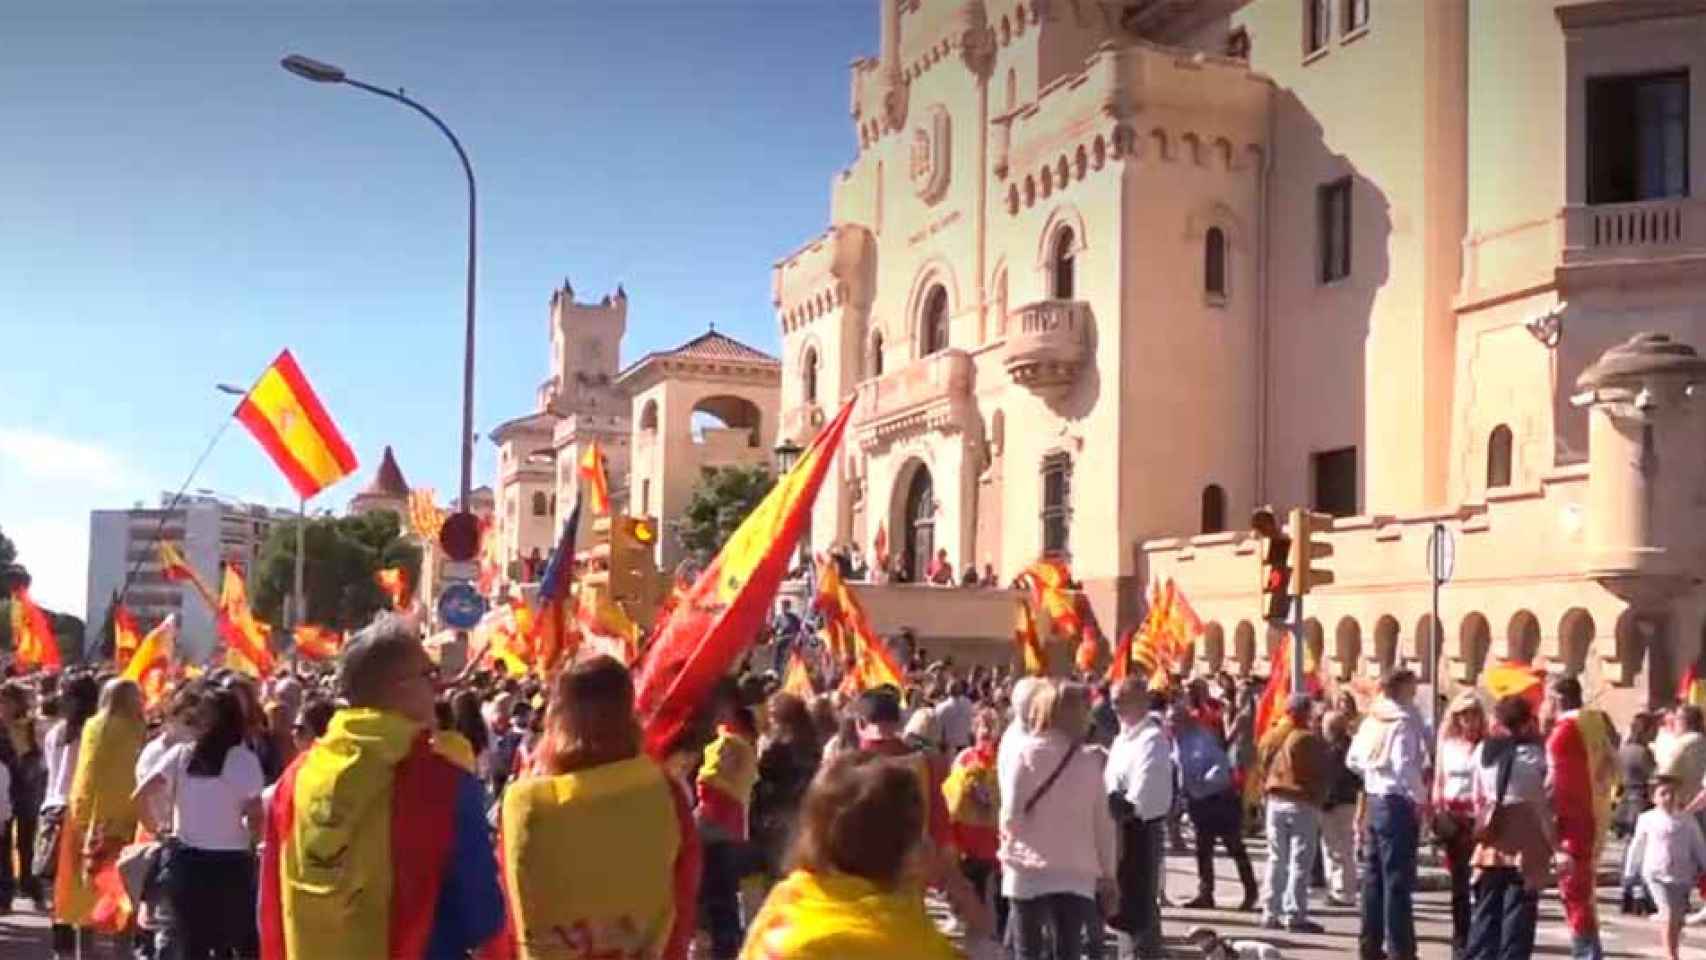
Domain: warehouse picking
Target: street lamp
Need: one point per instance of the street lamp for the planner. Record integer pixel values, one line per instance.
(298, 603)
(787, 454)
(310, 69)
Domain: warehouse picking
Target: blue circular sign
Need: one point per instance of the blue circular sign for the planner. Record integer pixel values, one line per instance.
(460, 606)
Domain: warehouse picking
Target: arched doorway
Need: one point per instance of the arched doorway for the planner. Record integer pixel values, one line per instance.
(918, 530)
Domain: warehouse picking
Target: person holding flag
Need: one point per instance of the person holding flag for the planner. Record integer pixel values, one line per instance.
(1582, 780)
(376, 846)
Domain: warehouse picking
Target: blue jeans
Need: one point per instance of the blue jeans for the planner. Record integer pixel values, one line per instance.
(1068, 915)
(1505, 917)
(1294, 831)
(1389, 879)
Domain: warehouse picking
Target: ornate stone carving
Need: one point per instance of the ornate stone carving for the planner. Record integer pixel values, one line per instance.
(927, 166)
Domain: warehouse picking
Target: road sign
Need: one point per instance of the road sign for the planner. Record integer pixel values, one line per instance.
(1442, 553)
(459, 570)
(460, 536)
(460, 606)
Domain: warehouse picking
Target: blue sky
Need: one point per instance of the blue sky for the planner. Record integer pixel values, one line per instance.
(174, 209)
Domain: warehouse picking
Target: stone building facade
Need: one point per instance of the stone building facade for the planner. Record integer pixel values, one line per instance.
(1104, 277)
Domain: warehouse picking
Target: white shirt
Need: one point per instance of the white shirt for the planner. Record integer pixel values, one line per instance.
(953, 718)
(207, 812)
(1398, 771)
(1666, 848)
(1456, 766)
(61, 753)
(160, 809)
(1140, 767)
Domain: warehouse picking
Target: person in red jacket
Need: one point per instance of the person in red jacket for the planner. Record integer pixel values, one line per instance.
(1581, 758)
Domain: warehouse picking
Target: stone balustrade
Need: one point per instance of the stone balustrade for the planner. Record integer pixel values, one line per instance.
(1048, 343)
(1626, 231)
(930, 393)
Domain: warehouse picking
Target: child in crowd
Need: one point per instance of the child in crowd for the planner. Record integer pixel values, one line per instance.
(1668, 853)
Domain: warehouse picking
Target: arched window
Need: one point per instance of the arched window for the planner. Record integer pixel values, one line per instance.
(1063, 264)
(1213, 509)
(648, 421)
(1499, 457)
(877, 354)
(808, 375)
(1057, 504)
(935, 321)
(1214, 264)
(541, 505)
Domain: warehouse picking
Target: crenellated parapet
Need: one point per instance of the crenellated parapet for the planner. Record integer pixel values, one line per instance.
(826, 274)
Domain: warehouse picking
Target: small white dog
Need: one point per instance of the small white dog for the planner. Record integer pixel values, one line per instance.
(1214, 947)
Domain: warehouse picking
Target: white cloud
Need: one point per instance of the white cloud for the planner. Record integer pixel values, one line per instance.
(43, 456)
(56, 551)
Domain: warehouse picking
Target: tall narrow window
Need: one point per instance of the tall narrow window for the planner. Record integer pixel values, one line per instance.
(1333, 203)
(1064, 268)
(1213, 509)
(877, 354)
(935, 321)
(1214, 264)
(1637, 137)
(1356, 15)
(1335, 476)
(541, 505)
(1499, 457)
(1057, 504)
(1317, 25)
(808, 376)
(645, 498)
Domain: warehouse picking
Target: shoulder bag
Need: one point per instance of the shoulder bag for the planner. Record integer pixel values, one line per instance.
(1059, 769)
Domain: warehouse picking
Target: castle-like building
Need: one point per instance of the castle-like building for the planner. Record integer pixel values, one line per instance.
(660, 421)
(1102, 277)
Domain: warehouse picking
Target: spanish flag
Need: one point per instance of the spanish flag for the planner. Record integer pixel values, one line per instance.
(317, 643)
(395, 582)
(839, 916)
(33, 642)
(1029, 644)
(798, 679)
(286, 418)
(550, 626)
(245, 637)
(151, 666)
(1272, 704)
(1514, 678)
(1691, 690)
(722, 613)
(593, 475)
(176, 567)
(1051, 589)
(604, 622)
(127, 636)
(870, 663)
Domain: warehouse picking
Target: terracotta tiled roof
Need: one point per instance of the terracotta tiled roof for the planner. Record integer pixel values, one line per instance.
(716, 346)
(388, 481)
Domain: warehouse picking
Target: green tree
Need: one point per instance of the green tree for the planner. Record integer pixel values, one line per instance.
(342, 556)
(8, 550)
(720, 501)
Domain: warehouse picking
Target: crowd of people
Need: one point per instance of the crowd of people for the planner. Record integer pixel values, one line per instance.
(379, 809)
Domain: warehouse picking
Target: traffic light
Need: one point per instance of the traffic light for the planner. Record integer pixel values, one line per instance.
(632, 558)
(1307, 548)
(1276, 570)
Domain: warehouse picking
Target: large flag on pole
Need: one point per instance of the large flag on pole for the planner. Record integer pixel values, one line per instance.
(151, 666)
(33, 642)
(127, 636)
(596, 479)
(245, 637)
(286, 418)
(868, 660)
(721, 614)
(174, 566)
(1051, 592)
(553, 634)
(1026, 639)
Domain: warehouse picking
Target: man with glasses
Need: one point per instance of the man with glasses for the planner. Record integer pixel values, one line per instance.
(375, 844)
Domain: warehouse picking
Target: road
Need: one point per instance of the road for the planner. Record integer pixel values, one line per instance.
(24, 934)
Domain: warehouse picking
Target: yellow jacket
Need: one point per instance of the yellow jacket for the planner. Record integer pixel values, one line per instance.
(837, 916)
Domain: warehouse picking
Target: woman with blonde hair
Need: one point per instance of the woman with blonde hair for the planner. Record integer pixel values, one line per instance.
(101, 817)
(1453, 803)
(602, 844)
(858, 861)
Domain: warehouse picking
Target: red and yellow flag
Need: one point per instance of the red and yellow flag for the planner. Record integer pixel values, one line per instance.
(176, 567)
(33, 642)
(722, 613)
(798, 679)
(868, 660)
(1051, 589)
(605, 624)
(425, 515)
(395, 582)
(127, 636)
(286, 418)
(246, 646)
(1029, 644)
(1513, 678)
(151, 666)
(1691, 689)
(595, 478)
(317, 643)
(1272, 704)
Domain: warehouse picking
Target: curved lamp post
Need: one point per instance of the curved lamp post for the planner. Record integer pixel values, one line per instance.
(314, 70)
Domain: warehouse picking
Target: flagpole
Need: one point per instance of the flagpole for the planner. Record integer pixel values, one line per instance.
(298, 607)
(172, 504)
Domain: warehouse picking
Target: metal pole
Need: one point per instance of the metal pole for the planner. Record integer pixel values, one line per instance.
(1436, 567)
(467, 478)
(1297, 652)
(299, 603)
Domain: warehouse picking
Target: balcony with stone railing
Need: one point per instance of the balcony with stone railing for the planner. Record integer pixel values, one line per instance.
(930, 393)
(1648, 229)
(1047, 345)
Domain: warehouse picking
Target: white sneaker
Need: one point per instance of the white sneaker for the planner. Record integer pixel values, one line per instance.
(1697, 918)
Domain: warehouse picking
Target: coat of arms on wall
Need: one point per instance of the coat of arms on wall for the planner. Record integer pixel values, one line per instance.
(927, 166)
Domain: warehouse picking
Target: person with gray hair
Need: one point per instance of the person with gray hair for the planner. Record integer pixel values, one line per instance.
(1298, 772)
(332, 816)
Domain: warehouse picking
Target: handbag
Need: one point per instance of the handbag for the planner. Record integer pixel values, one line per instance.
(1445, 826)
(45, 863)
(1059, 769)
(1486, 822)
